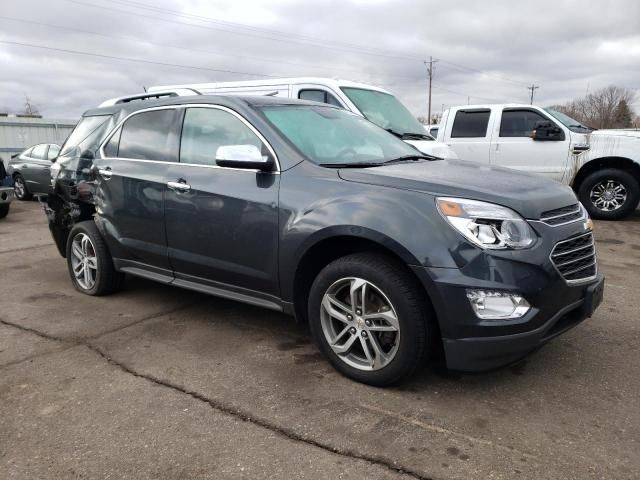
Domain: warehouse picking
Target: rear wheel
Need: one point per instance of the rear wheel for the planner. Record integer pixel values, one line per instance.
(368, 317)
(90, 263)
(20, 188)
(609, 194)
(4, 210)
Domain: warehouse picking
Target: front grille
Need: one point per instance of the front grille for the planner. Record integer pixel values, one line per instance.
(562, 215)
(575, 258)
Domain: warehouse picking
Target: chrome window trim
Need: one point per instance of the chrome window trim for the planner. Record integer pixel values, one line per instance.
(191, 105)
(579, 281)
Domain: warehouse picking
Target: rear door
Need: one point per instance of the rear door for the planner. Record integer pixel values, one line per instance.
(131, 187)
(468, 134)
(222, 223)
(513, 146)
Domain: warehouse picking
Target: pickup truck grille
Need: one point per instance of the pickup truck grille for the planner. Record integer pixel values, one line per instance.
(575, 258)
(562, 215)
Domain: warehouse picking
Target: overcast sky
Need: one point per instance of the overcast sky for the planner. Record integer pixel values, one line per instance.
(488, 51)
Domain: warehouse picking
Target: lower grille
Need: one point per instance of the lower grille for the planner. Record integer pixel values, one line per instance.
(562, 215)
(575, 258)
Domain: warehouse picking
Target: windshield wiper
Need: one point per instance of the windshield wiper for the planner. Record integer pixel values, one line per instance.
(409, 135)
(351, 165)
(412, 158)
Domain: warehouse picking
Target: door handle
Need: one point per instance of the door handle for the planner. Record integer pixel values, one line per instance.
(180, 186)
(105, 172)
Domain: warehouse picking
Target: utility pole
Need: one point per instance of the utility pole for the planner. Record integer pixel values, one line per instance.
(532, 88)
(429, 65)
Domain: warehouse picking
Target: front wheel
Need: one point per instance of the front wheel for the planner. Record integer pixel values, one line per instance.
(609, 194)
(90, 263)
(369, 318)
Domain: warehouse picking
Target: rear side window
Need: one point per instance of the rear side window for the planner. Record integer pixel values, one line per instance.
(148, 136)
(470, 124)
(207, 129)
(519, 123)
(322, 96)
(53, 152)
(39, 152)
(86, 129)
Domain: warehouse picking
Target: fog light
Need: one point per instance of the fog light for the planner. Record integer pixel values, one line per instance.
(490, 304)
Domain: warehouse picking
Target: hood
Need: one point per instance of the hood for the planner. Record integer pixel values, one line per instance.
(527, 194)
(635, 133)
(433, 147)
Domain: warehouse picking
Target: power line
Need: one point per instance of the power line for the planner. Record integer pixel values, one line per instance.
(164, 45)
(275, 35)
(137, 60)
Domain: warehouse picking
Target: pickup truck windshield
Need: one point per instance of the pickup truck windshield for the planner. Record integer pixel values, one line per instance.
(332, 136)
(567, 121)
(385, 110)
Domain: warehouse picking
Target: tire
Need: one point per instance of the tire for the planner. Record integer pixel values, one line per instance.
(4, 209)
(96, 276)
(595, 186)
(386, 281)
(20, 188)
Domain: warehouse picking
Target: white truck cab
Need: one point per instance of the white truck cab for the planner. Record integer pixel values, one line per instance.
(375, 104)
(602, 166)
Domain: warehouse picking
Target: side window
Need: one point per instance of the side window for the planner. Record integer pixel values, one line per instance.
(321, 96)
(206, 129)
(148, 136)
(470, 124)
(53, 152)
(39, 151)
(111, 148)
(519, 123)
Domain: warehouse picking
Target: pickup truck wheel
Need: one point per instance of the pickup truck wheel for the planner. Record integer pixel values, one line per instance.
(20, 188)
(368, 317)
(90, 263)
(609, 194)
(4, 210)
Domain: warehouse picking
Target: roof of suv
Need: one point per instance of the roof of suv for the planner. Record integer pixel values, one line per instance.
(224, 100)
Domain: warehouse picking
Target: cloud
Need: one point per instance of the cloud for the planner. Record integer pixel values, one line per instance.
(488, 52)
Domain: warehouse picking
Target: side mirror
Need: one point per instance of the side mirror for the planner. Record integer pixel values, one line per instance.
(547, 131)
(242, 156)
(87, 154)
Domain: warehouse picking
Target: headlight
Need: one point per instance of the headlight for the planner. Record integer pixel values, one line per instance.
(486, 224)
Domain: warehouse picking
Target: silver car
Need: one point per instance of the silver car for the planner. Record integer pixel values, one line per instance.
(31, 170)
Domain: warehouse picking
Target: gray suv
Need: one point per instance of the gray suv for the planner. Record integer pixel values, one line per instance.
(391, 256)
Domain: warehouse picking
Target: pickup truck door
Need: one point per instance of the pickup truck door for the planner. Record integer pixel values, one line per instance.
(468, 133)
(513, 147)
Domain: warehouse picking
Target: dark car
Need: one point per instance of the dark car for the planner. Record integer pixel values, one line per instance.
(31, 170)
(390, 255)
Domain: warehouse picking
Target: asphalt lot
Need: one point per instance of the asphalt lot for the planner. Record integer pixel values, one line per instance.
(158, 382)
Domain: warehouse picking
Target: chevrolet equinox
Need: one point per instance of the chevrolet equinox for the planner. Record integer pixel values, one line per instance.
(390, 255)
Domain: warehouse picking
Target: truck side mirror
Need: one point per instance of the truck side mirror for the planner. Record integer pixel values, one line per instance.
(547, 131)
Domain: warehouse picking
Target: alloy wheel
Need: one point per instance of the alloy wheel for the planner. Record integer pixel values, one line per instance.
(19, 187)
(84, 261)
(608, 195)
(360, 324)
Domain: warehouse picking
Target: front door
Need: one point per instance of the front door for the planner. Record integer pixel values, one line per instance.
(222, 223)
(513, 146)
(131, 186)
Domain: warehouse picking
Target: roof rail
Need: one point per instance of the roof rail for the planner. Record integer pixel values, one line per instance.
(178, 92)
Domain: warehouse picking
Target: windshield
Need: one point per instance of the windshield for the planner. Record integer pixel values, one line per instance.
(85, 127)
(384, 110)
(327, 135)
(567, 121)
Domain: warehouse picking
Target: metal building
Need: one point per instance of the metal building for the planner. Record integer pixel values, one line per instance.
(18, 133)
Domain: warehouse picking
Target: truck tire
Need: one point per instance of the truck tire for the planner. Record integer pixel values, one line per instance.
(90, 263)
(609, 194)
(4, 209)
(382, 343)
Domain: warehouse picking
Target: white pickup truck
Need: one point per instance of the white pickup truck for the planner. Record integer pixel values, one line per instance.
(602, 166)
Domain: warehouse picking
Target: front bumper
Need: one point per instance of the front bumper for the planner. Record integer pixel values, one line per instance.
(474, 344)
(6, 195)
